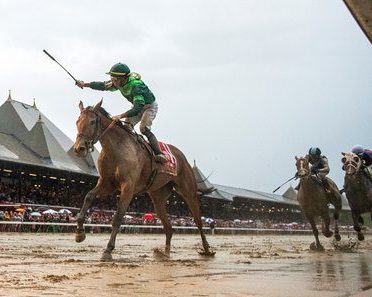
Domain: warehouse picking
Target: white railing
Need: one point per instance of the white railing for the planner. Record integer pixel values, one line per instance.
(16, 226)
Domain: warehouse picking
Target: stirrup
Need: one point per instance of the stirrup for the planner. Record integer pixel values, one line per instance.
(161, 158)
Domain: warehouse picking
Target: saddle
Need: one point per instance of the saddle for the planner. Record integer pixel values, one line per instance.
(169, 167)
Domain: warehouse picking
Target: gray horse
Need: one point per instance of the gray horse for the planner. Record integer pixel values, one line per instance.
(358, 189)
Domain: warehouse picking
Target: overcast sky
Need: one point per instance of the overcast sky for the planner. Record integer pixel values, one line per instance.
(242, 86)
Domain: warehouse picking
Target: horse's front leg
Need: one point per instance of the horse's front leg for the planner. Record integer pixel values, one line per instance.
(100, 190)
(317, 245)
(126, 196)
(159, 199)
(325, 227)
(80, 233)
(336, 217)
(357, 225)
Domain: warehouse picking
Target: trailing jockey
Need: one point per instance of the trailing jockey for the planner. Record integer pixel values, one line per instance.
(320, 169)
(144, 107)
(366, 156)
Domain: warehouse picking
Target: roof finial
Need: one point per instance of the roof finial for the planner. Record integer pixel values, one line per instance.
(34, 104)
(9, 96)
(194, 163)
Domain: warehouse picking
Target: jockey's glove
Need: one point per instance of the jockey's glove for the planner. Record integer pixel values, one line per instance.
(314, 170)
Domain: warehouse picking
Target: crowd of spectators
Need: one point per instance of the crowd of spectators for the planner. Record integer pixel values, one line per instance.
(27, 193)
(36, 195)
(101, 217)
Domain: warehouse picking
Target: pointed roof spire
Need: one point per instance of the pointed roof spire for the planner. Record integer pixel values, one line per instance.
(194, 163)
(9, 96)
(34, 105)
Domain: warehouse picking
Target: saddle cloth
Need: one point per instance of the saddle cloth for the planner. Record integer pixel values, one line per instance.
(169, 167)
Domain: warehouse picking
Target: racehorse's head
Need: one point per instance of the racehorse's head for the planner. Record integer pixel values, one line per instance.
(302, 165)
(351, 163)
(88, 125)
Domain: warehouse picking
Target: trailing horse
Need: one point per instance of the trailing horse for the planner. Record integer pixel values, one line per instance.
(126, 164)
(314, 201)
(358, 189)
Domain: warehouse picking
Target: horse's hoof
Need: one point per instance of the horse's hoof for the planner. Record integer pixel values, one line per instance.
(160, 254)
(337, 237)
(328, 233)
(106, 257)
(315, 247)
(80, 236)
(360, 236)
(207, 253)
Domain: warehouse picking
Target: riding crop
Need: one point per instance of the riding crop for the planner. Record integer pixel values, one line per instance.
(50, 56)
(285, 183)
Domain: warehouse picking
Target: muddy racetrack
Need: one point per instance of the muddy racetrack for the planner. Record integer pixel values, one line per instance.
(245, 265)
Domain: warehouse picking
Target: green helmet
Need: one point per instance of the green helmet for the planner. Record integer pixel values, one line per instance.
(119, 69)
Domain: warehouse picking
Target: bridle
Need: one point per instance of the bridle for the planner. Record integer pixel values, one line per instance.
(301, 167)
(92, 140)
(352, 163)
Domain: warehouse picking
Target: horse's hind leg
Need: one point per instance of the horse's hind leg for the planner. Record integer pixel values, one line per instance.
(123, 203)
(100, 190)
(159, 198)
(192, 201)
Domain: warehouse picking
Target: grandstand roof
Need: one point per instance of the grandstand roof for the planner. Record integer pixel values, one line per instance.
(230, 193)
(255, 195)
(27, 136)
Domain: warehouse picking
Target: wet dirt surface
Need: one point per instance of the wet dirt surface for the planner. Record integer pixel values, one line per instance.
(244, 265)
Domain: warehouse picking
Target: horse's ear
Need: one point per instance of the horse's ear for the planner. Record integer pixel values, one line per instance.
(98, 105)
(296, 158)
(342, 153)
(81, 105)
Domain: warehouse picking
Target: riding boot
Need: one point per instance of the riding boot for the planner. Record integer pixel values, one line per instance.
(159, 156)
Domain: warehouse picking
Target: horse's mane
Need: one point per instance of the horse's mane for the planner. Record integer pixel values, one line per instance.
(106, 114)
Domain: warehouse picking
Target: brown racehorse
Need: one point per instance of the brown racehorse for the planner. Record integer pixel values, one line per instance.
(126, 165)
(313, 200)
(358, 189)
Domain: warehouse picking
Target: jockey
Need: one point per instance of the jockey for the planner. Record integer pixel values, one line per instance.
(319, 163)
(366, 156)
(144, 107)
(319, 167)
